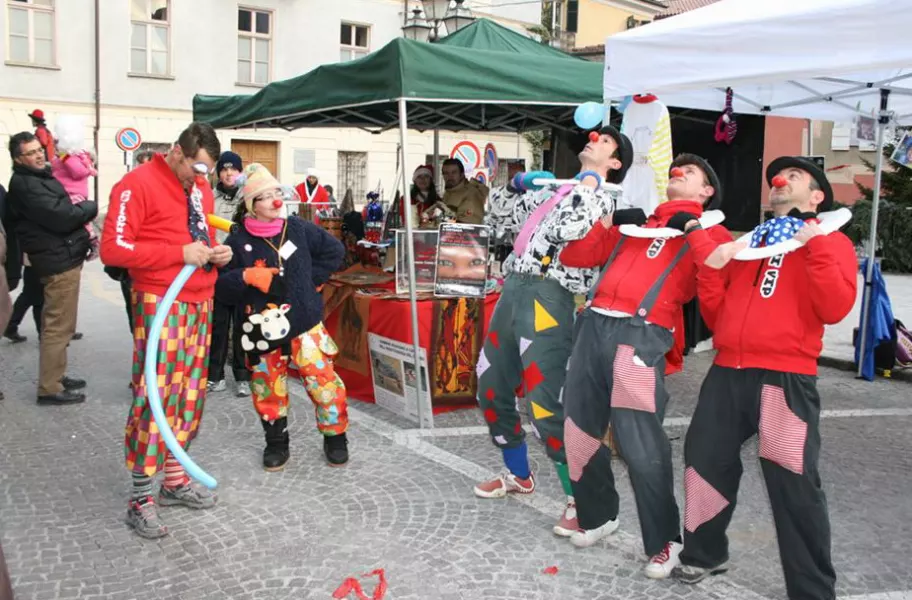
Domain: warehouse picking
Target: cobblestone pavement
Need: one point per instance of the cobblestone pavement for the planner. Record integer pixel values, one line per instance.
(404, 504)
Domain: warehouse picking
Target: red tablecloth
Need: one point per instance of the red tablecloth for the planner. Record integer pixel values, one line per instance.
(391, 318)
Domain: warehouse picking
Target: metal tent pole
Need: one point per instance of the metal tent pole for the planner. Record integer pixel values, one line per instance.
(872, 239)
(413, 299)
(435, 181)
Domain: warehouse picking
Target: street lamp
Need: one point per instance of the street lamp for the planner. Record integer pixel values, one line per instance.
(458, 17)
(435, 11)
(417, 28)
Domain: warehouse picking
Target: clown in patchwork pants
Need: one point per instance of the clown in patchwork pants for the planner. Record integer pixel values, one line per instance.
(312, 353)
(784, 409)
(525, 355)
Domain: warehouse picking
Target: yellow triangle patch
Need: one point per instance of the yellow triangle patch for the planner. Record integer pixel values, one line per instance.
(540, 413)
(543, 320)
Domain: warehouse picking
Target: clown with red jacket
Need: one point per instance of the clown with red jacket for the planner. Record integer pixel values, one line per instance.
(617, 370)
(768, 318)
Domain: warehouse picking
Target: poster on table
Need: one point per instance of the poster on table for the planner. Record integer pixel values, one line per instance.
(425, 243)
(903, 152)
(462, 260)
(396, 379)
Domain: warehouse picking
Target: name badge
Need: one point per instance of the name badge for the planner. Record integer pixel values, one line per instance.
(287, 250)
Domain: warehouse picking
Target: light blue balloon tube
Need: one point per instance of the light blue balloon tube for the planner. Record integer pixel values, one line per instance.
(151, 373)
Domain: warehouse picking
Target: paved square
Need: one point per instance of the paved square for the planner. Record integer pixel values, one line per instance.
(404, 504)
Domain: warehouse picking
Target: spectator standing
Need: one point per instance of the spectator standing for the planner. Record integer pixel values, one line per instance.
(51, 232)
(224, 326)
(465, 197)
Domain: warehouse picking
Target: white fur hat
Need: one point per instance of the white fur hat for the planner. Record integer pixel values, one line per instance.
(70, 133)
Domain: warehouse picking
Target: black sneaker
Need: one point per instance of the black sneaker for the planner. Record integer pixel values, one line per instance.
(142, 516)
(14, 336)
(336, 449)
(692, 574)
(71, 383)
(64, 397)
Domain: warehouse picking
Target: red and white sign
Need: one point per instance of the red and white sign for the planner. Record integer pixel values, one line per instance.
(490, 160)
(468, 154)
(128, 139)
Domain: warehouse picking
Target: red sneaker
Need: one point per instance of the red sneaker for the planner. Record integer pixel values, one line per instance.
(567, 524)
(506, 483)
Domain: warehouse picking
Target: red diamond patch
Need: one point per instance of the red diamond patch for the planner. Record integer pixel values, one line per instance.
(492, 337)
(532, 377)
(490, 394)
(554, 443)
(490, 415)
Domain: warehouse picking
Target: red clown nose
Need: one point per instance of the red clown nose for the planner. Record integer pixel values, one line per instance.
(677, 172)
(277, 204)
(594, 136)
(779, 181)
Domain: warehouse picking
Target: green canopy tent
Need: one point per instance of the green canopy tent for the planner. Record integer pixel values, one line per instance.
(485, 78)
(502, 82)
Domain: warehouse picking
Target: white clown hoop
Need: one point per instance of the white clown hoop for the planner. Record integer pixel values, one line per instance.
(610, 187)
(709, 219)
(829, 222)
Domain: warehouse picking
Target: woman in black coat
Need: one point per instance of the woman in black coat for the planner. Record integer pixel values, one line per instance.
(273, 278)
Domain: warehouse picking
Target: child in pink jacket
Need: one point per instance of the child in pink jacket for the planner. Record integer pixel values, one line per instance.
(73, 172)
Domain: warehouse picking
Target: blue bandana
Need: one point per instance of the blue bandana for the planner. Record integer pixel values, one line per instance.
(775, 230)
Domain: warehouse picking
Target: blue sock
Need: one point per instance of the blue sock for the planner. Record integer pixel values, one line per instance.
(517, 460)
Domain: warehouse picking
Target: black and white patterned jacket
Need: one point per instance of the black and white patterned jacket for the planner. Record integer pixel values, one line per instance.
(570, 220)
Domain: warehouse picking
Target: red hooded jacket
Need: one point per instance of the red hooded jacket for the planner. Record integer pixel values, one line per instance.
(640, 262)
(321, 196)
(770, 314)
(147, 227)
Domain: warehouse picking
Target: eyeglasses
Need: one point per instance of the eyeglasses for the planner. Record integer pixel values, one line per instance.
(202, 168)
(274, 195)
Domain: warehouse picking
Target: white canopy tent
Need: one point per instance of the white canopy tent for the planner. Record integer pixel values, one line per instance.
(813, 59)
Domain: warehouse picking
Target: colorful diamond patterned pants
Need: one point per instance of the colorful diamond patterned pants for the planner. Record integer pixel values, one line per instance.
(312, 352)
(617, 378)
(525, 355)
(183, 355)
(784, 409)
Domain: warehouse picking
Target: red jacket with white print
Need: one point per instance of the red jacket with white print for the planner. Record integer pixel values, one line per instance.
(147, 226)
(639, 263)
(770, 313)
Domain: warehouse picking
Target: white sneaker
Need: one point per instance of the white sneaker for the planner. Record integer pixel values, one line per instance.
(216, 386)
(583, 538)
(243, 388)
(661, 565)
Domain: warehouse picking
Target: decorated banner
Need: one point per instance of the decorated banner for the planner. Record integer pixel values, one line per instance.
(425, 243)
(398, 385)
(462, 260)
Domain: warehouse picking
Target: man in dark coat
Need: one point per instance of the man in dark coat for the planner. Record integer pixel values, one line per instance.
(51, 233)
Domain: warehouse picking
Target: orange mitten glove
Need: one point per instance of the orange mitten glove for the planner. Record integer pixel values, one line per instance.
(260, 277)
